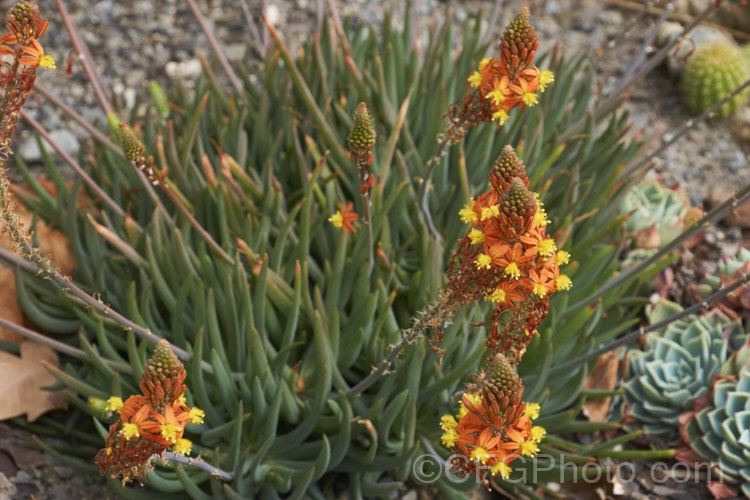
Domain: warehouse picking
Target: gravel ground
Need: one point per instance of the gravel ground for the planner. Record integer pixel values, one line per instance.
(135, 42)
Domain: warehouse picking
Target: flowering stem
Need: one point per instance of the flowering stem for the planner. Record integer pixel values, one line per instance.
(58, 346)
(196, 462)
(432, 316)
(69, 288)
(425, 183)
(695, 308)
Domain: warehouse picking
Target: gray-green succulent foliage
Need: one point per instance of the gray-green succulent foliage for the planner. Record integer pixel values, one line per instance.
(297, 317)
(721, 431)
(675, 368)
(656, 215)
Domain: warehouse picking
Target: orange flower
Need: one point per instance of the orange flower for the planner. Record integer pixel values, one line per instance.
(35, 56)
(540, 283)
(133, 425)
(344, 217)
(167, 428)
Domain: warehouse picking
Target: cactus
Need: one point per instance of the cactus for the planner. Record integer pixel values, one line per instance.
(721, 432)
(675, 369)
(710, 74)
(242, 247)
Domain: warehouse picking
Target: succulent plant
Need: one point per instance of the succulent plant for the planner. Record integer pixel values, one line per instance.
(274, 310)
(728, 270)
(676, 367)
(721, 432)
(656, 213)
(710, 74)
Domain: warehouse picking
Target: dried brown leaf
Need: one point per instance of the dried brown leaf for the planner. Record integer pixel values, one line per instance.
(603, 377)
(23, 378)
(54, 244)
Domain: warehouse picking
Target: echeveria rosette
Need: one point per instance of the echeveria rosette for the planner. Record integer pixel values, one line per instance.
(674, 370)
(721, 432)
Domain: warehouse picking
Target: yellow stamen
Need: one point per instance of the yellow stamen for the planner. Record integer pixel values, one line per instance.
(476, 236)
(513, 271)
(562, 282)
(483, 261)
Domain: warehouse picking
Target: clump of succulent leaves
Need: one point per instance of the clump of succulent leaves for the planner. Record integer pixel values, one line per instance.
(656, 215)
(676, 367)
(729, 270)
(720, 432)
(279, 333)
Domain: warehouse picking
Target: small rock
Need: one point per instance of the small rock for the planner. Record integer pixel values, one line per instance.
(611, 18)
(273, 14)
(410, 495)
(186, 70)
(30, 152)
(7, 489)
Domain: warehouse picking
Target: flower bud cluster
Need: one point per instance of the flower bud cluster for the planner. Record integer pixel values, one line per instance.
(507, 258)
(493, 426)
(502, 83)
(151, 423)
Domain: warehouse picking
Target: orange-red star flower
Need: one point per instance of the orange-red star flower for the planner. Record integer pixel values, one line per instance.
(344, 217)
(34, 56)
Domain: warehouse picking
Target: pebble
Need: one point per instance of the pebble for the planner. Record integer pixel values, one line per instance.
(186, 70)
(30, 152)
(7, 489)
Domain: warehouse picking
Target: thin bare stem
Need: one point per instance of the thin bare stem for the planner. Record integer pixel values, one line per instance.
(80, 120)
(423, 206)
(434, 315)
(68, 287)
(368, 220)
(687, 126)
(695, 308)
(628, 29)
(58, 346)
(735, 200)
(196, 462)
(681, 18)
(84, 55)
(91, 183)
(236, 82)
(254, 33)
(619, 94)
(193, 222)
(493, 20)
(641, 55)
